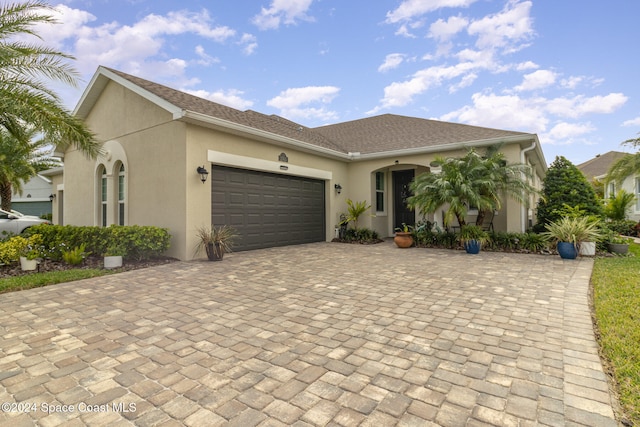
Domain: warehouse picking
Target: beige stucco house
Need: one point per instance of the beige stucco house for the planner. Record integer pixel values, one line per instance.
(277, 182)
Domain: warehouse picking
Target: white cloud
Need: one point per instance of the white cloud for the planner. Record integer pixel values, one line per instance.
(293, 102)
(632, 122)
(129, 47)
(250, 43)
(286, 12)
(444, 30)
(391, 61)
(410, 9)
(205, 59)
(506, 29)
(534, 114)
(537, 80)
(502, 112)
(527, 65)
(580, 105)
(399, 94)
(566, 132)
(231, 98)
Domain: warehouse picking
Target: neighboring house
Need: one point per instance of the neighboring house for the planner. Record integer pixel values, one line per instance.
(34, 199)
(597, 169)
(275, 181)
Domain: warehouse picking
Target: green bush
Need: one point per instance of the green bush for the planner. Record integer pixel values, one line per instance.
(626, 227)
(16, 246)
(135, 241)
(361, 235)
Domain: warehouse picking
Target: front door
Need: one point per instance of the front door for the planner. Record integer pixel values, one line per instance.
(401, 192)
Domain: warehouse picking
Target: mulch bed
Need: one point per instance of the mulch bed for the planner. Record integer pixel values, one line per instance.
(89, 262)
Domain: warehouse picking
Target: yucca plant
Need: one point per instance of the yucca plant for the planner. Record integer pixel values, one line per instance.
(573, 230)
(216, 241)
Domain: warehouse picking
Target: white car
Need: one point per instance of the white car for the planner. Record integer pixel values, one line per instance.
(15, 223)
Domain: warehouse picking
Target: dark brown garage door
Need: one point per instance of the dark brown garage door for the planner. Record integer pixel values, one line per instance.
(268, 209)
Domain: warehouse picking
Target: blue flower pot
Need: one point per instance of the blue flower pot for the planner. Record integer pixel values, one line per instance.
(567, 250)
(472, 246)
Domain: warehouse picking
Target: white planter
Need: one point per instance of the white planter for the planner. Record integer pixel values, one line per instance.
(588, 248)
(28, 264)
(113, 261)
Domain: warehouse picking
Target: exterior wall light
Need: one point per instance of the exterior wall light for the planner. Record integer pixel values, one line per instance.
(52, 197)
(338, 188)
(203, 173)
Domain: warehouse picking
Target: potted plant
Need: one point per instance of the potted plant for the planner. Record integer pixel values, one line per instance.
(114, 255)
(568, 233)
(31, 253)
(472, 238)
(216, 241)
(403, 237)
(618, 244)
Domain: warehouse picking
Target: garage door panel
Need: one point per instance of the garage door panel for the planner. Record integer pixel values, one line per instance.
(268, 209)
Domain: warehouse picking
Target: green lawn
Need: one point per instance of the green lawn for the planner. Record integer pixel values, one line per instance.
(616, 295)
(36, 280)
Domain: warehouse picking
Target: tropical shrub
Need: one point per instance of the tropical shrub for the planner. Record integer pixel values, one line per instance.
(616, 208)
(75, 256)
(355, 211)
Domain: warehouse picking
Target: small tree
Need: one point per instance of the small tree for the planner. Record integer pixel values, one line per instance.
(564, 185)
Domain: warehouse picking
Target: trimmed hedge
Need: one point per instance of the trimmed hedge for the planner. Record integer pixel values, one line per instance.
(131, 241)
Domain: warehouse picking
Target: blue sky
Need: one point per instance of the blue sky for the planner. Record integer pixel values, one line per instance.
(566, 70)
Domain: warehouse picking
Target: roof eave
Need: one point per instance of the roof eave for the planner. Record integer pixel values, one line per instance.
(239, 129)
(528, 137)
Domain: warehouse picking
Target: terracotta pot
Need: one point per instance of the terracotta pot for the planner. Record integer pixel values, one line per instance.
(403, 239)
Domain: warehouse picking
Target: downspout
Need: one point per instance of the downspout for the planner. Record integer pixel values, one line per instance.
(523, 212)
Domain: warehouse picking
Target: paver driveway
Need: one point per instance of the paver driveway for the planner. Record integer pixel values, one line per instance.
(320, 334)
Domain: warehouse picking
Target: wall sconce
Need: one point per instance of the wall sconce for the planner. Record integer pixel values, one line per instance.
(52, 197)
(338, 188)
(203, 173)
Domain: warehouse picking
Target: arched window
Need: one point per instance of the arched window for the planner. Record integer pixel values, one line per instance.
(103, 197)
(121, 195)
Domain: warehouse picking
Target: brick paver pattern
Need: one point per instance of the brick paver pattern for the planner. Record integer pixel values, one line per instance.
(323, 334)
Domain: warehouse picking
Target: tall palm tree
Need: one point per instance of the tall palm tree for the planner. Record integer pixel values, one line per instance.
(24, 96)
(21, 160)
(626, 166)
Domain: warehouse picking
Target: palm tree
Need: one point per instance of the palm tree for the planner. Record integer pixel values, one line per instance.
(21, 160)
(24, 97)
(458, 185)
(626, 166)
(472, 180)
(504, 179)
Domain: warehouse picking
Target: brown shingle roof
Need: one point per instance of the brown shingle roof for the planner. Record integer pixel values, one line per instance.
(600, 164)
(390, 132)
(387, 132)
